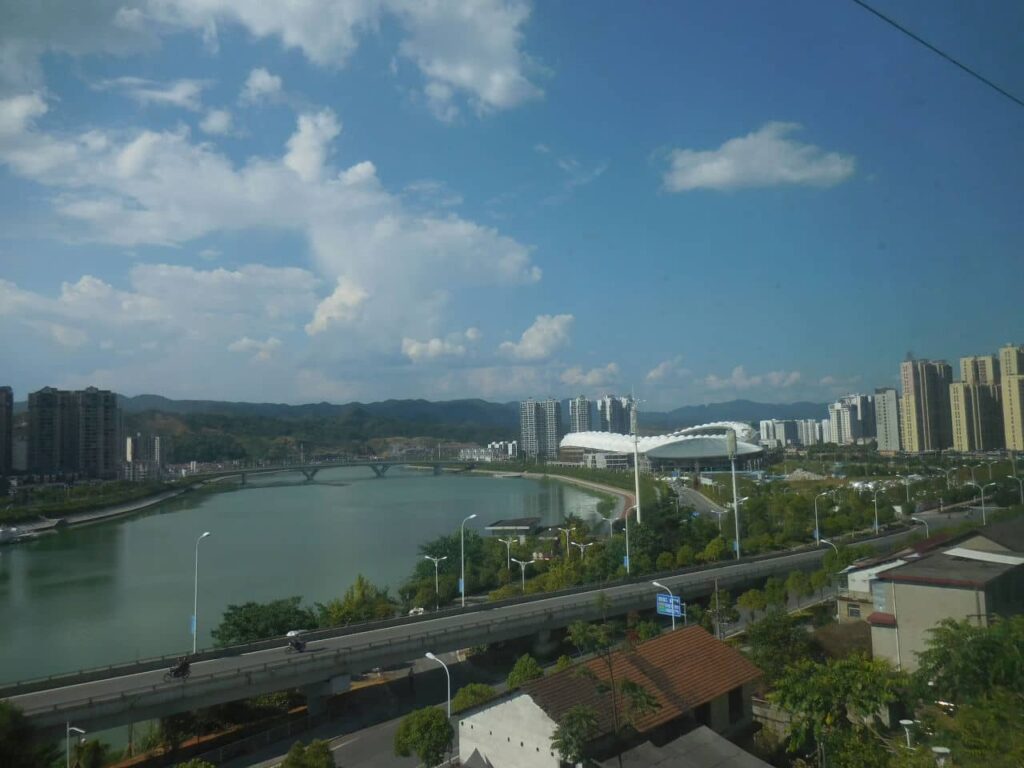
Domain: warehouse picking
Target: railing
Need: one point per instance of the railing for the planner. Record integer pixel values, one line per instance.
(163, 662)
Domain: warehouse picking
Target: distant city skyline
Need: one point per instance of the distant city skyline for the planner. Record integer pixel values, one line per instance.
(514, 199)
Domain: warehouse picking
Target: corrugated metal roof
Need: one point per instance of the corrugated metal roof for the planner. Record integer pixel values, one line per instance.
(681, 670)
(988, 557)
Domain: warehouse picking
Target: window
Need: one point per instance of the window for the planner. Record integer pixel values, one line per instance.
(852, 609)
(736, 704)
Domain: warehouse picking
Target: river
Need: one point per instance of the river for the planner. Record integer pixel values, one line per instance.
(121, 590)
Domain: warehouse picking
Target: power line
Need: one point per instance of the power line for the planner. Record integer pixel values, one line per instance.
(941, 53)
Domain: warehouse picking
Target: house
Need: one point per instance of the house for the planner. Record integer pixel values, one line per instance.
(700, 748)
(696, 679)
(954, 583)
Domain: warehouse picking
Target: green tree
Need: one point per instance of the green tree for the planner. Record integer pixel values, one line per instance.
(472, 695)
(564, 662)
(775, 592)
(684, 556)
(639, 701)
(362, 601)
(820, 580)
(18, 745)
(195, 762)
(91, 754)
(963, 662)
(798, 584)
(525, 669)
(573, 732)
(833, 696)
(987, 732)
(753, 600)
(316, 755)
(665, 561)
(714, 550)
(426, 733)
(776, 642)
(251, 621)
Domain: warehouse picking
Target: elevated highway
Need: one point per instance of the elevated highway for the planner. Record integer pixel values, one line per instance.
(107, 697)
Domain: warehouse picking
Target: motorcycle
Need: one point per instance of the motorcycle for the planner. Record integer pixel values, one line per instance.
(295, 643)
(179, 671)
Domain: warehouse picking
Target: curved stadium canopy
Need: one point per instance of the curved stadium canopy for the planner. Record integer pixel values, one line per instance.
(706, 441)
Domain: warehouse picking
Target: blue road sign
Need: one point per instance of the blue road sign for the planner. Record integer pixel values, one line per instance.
(670, 605)
(461, 590)
(625, 561)
(192, 624)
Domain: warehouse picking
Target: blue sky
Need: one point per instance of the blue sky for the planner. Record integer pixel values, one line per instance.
(363, 199)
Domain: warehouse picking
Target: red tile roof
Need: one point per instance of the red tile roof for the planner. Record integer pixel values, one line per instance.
(880, 619)
(681, 670)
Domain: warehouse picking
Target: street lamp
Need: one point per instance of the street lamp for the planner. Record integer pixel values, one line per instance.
(437, 591)
(583, 547)
(826, 541)
(941, 755)
(625, 517)
(672, 612)
(69, 729)
(462, 556)
(195, 597)
(984, 516)
(566, 531)
(927, 531)
(508, 551)
(735, 504)
(817, 527)
(1020, 482)
(448, 675)
(876, 492)
(970, 467)
(990, 463)
(730, 445)
(522, 569)
(907, 483)
(611, 522)
(906, 727)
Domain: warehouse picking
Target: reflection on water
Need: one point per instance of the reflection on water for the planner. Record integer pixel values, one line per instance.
(123, 589)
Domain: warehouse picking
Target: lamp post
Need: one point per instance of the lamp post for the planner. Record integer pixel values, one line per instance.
(730, 445)
(508, 551)
(927, 530)
(906, 483)
(876, 492)
(817, 527)
(941, 755)
(522, 569)
(68, 730)
(970, 467)
(984, 516)
(583, 547)
(611, 522)
(990, 463)
(626, 518)
(1020, 482)
(437, 591)
(826, 541)
(659, 585)
(448, 675)
(636, 460)
(566, 531)
(906, 727)
(462, 557)
(195, 597)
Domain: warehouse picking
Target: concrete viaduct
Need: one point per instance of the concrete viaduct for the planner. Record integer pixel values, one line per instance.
(111, 696)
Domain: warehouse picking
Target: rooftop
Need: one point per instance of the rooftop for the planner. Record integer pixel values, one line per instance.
(681, 670)
(943, 569)
(514, 523)
(700, 748)
(1008, 533)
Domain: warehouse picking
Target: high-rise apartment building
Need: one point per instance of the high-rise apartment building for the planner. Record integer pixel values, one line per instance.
(980, 369)
(887, 420)
(808, 431)
(549, 439)
(615, 414)
(6, 430)
(74, 432)
(1011, 364)
(826, 431)
(977, 417)
(540, 427)
(579, 414)
(924, 408)
(843, 424)
(862, 408)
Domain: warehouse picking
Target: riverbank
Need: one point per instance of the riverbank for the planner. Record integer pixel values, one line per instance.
(101, 514)
(623, 499)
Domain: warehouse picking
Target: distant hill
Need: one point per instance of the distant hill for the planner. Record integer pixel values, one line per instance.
(734, 410)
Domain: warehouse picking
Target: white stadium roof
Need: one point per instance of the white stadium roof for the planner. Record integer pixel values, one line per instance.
(700, 442)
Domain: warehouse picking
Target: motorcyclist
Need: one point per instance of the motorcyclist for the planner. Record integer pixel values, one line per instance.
(181, 669)
(296, 643)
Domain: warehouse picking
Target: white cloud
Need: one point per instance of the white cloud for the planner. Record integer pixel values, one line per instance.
(740, 380)
(308, 146)
(217, 122)
(400, 268)
(263, 350)
(185, 94)
(454, 345)
(209, 254)
(595, 377)
(260, 86)
(542, 339)
(763, 158)
(472, 49)
(668, 369)
(342, 306)
(67, 336)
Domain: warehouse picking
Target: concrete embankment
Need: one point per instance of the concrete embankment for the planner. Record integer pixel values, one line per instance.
(101, 514)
